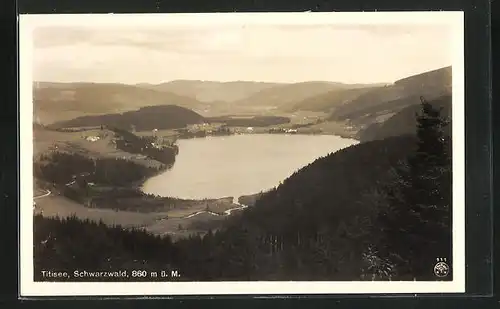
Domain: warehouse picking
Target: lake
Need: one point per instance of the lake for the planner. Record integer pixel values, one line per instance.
(236, 165)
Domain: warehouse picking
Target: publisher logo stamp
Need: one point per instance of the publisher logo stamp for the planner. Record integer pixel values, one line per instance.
(441, 269)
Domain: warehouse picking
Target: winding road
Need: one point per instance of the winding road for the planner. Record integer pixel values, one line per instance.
(226, 212)
(48, 192)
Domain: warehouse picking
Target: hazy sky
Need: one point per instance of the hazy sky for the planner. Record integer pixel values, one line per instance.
(277, 53)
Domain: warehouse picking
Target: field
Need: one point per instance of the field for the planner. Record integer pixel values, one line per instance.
(56, 205)
(177, 222)
(82, 143)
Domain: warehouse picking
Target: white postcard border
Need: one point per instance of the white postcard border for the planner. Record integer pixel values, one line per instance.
(30, 288)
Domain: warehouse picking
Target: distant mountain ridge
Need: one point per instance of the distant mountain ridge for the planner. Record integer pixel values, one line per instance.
(286, 95)
(239, 92)
(349, 103)
(432, 84)
(211, 91)
(54, 102)
(358, 104)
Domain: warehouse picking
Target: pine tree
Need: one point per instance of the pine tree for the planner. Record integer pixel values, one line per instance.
(417, 221)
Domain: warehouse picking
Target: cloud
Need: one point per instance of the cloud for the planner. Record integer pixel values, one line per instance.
(172, 39)
(355, 53)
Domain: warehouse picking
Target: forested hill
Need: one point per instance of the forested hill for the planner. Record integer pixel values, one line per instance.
(404, 122)
(327, 190)
(144, 119)
(317, 223)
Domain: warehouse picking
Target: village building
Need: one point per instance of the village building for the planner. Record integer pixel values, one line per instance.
(92, 138)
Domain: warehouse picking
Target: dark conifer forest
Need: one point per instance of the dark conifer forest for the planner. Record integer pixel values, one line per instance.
(379, 210)
(144, 119)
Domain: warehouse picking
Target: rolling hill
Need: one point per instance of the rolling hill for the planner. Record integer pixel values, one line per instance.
(250, 97)
(390, 99)
(358, 103)
(61, 101)
(354, 110)
(359, 107)
(350, 102)
(283, 96)
(330, 100)
(143, 119)
(404, 122)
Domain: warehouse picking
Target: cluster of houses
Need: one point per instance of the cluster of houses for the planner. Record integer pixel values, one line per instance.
(92, 138)
(96, 137)
(202, 130)
(283, 131)
(198, 130)
(199, 127)
(157, 146)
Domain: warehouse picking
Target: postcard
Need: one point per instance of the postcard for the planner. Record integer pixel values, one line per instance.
(242, 153)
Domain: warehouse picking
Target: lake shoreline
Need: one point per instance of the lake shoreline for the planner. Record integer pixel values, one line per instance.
(226, 159)
(168, 214)
(343, 134)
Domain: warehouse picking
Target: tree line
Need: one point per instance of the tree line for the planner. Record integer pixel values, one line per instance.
(61, 168)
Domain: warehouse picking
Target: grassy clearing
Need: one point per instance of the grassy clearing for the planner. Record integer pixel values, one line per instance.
(58, 206)
(185, 208)
(77, 142)
(171, 222)
(180, 228)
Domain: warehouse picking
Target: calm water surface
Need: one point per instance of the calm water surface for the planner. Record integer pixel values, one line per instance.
(236, 165)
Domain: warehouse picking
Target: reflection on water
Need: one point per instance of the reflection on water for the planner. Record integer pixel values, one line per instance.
(240, 164)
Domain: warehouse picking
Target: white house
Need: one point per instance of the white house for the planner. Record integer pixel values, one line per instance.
(92, 138)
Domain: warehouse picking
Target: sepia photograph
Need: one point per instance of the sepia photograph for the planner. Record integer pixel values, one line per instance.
(242, 153)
